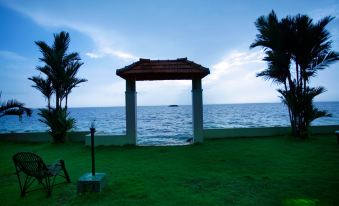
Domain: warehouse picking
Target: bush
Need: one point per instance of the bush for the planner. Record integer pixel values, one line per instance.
(58, 122)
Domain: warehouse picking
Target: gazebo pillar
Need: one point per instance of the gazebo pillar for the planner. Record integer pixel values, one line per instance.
(197, 107)
(131, 112)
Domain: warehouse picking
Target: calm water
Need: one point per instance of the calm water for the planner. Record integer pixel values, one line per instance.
(172, 125)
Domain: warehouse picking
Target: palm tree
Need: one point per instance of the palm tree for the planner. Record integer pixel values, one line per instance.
(44, 86)
(13, 107)
(311, 53)
(60, 69)
(274, 38)
(56, 61)
(71, 81)
(300, 42)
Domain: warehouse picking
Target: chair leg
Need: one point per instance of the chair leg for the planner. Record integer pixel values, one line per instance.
(46, 184)
(65, 171)
(22, 191)
(49, 188)
(23, 188)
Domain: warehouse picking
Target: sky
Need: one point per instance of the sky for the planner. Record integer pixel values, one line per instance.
(110, 35)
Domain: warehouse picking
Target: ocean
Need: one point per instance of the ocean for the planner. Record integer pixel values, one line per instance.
(172, 125)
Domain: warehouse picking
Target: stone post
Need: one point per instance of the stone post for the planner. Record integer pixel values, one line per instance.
(197, 108)
(131, 112)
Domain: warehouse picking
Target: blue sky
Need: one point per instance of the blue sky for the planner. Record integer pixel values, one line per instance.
(112, 34)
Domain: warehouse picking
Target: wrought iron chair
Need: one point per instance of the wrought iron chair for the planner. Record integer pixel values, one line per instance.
(30, 167)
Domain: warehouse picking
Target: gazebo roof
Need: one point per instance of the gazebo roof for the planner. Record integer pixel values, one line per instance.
(146, 69)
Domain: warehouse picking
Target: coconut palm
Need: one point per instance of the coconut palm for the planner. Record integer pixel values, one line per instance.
(60, 69)
(311, 52)
(13, 107)
(300, 42)
(274, 38)
(56, 61)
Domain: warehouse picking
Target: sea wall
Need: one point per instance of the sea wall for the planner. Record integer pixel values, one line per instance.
(109, 139)
(263, 131)
(106, 140)
(40, 137)
(35, 137)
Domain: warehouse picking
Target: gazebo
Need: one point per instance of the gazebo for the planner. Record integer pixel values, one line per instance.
(179, 69)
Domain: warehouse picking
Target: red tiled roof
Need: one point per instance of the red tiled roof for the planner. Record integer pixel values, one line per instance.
(146, 69)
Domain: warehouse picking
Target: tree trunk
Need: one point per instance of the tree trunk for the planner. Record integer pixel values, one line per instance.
(57, 98)
(292, 105)
(60, 102)
(66, 102)
(297, 72)
(49, 103)
(289, 109)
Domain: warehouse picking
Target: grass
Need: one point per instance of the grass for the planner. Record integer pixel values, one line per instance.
(257, 171)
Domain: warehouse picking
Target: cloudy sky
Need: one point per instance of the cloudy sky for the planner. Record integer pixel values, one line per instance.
(112, 34)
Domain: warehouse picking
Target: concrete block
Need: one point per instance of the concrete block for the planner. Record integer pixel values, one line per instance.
(89, 183)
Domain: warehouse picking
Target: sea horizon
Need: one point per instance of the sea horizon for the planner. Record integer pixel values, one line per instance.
(161, 105)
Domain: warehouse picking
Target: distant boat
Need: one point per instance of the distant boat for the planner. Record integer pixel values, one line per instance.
(173, 105)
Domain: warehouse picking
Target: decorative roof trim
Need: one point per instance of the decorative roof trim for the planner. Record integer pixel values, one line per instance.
(180, 68)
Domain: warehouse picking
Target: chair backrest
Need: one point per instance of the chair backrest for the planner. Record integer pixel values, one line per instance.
(30, 163)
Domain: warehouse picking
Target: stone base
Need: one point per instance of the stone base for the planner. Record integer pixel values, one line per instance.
(89, 183)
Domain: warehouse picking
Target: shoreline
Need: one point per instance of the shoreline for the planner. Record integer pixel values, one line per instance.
(107, 139)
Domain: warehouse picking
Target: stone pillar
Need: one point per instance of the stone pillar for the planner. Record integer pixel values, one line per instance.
(197, 107)
(131, 112)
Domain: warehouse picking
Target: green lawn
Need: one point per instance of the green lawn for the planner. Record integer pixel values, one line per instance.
(257, 171)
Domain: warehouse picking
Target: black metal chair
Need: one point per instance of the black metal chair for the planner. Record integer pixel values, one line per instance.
(30, 167)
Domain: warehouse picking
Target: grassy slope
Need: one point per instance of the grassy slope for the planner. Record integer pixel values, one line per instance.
(261, 171)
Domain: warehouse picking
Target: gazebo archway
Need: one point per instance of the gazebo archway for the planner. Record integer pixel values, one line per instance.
(148, 70)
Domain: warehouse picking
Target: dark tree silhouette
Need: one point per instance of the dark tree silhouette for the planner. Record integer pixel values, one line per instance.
(60, 69)
(296, 49)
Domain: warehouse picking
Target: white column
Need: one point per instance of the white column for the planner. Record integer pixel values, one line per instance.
(131, 112)
(197, 107)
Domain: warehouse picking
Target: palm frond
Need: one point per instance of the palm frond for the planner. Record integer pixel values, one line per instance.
(14, 107)
(43, 85)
